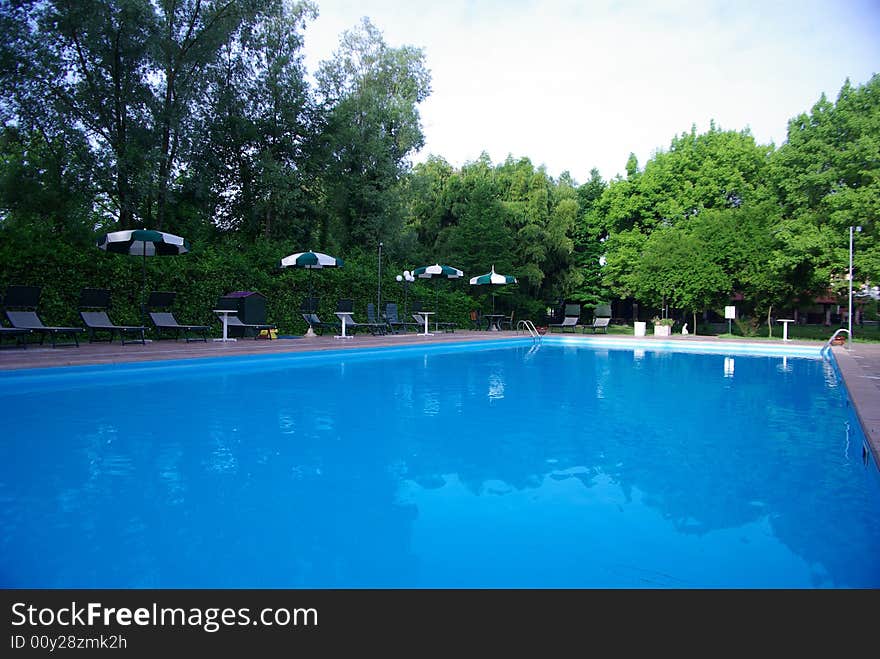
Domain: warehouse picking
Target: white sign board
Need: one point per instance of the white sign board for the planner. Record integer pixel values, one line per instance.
(730, 313)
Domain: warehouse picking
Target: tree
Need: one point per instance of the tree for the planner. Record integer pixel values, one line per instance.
(85, 66)
(259, 124)
(188, 38)
(827, 178)
(371, 92)
(589, 235)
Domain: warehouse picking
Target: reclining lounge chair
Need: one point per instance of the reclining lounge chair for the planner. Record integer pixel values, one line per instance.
(345, 312)
(93, 303)
(23, 315)
(382, 325)
(601, 319)
(309, 311)
(394, 321)
(234, 321)
(570, 321)
(164, 320)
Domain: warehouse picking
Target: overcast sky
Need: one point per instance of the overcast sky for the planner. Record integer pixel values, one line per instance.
(576, 85)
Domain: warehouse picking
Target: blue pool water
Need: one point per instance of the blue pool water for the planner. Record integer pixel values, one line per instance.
(478, 466)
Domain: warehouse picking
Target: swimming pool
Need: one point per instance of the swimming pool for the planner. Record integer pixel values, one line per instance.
(565, 464)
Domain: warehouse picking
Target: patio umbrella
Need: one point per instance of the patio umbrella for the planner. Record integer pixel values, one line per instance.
(437, 271)
(311, 261)
(143, 243)
(494, 279)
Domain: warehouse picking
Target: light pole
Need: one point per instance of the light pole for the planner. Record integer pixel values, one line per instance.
(407, 278)
(379, 290)
(849, 314)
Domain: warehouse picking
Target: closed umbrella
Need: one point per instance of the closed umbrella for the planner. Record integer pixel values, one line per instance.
(143, 243)
(494, 279)
(437, 271)
(311, 261)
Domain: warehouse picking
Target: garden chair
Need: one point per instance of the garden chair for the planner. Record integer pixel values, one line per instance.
(23, 316)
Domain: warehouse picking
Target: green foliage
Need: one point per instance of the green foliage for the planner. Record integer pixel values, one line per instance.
(373, 124)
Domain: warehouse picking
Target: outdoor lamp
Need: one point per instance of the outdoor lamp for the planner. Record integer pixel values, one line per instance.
(406, 278)
(849, 314)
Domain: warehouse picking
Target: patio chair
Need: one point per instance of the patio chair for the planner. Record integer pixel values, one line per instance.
(234, 321)
(165, 320)
(317, 324)
(345, 313)
(394, 321)
(601, 319)
(507, 323)
(309, 312)
(93, 306)
(598, 324)
(371, 319)
(477, 320)
(14, 333)
(23, 315)
(571, 319)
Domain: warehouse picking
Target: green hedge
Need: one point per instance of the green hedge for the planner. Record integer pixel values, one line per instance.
(63, 268)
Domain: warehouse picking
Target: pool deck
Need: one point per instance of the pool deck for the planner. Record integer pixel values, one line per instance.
(860, 366)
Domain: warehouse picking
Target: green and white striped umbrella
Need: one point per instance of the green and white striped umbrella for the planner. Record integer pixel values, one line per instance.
(311, 261)
(494, 279)
(437, 271)
(143, 243)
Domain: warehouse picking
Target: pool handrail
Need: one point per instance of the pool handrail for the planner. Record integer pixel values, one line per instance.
(827, 345)
(530, 327)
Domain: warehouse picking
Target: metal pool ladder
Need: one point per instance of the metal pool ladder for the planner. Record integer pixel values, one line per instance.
(826, 349)
(529, 326)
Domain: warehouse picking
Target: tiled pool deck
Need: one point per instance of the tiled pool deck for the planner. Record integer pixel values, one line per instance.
(860, 366)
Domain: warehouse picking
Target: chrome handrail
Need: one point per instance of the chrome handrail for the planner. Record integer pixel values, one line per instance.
(827, 345)
(530, 327)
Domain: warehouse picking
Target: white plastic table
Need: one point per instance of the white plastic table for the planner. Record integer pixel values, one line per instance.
(425, 315)
(785, 322)
(224, 318)
(343, 316)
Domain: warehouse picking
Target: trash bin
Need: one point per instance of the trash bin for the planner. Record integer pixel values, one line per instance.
(249, 306)
(639, 328)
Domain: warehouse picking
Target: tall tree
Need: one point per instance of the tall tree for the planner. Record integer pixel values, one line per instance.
(827, 176)
(371, 92)
(87, 73)
(258, 126)
(189, 36)
(589, 237)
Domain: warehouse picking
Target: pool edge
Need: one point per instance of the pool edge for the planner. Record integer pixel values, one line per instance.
(863, 394)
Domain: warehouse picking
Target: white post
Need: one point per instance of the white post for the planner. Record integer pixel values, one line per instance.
(379, 289)
(849, 314)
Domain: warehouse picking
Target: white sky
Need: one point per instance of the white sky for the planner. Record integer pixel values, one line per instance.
(576, 85)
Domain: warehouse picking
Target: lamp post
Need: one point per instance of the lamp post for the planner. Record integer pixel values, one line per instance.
(379, 289)
(849, 314)
(407, 278)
